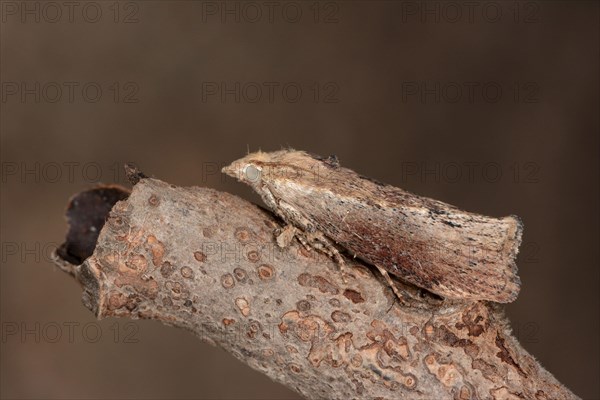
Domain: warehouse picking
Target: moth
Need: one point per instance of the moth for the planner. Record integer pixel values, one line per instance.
(435, 246)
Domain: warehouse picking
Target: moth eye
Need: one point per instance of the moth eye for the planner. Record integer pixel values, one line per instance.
(252, 173)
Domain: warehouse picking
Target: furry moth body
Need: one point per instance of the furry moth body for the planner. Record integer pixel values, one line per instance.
(428, 243)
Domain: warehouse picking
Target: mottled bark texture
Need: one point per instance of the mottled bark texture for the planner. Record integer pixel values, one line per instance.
(207, 261)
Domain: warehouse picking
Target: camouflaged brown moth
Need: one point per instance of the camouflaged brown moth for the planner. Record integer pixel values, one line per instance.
(433, 245)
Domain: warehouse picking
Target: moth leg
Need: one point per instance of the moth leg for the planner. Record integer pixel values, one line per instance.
(321, 243)
(285, 236)
(304, 241)
(403, 297)
(269, 199)
(309, 236)
(325, 245)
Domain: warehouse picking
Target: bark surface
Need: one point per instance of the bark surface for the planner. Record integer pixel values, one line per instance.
(207, 261)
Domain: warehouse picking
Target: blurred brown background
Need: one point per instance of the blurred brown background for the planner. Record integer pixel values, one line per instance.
(491, 107)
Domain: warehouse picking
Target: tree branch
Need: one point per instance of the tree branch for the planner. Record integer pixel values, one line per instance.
(207, 261)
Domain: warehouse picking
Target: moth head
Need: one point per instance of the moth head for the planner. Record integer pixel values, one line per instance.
(260, 169)
(248, 169)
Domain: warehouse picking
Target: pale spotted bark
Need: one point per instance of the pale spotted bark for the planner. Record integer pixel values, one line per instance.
(208, 261)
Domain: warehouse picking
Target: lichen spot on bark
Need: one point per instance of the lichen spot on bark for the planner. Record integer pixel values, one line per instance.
(340, 316)
(200, 256)
(317, 282)
(354, 296)
(243, 305)
(227, 281)
(253, 256)
(303, 306)
(153, 200)
(242, 234)
(166, 269)
(156, 248)
(137, 262)
(187, 272)
(265, 272)
(240, 275)
(294, 368)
